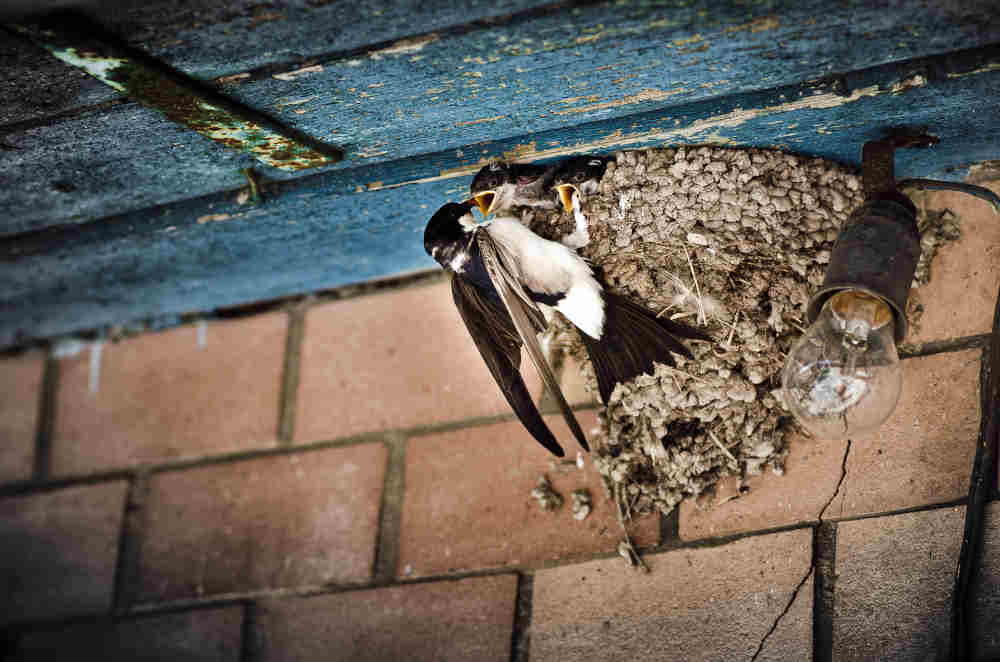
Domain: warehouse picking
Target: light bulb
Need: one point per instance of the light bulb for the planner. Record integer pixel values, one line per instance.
(843, 378)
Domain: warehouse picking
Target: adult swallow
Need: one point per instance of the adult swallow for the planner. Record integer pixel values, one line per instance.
(574, 178)
(506, 281)
(499, 186)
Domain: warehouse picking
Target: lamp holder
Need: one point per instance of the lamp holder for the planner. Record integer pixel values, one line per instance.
(878, 247)
(876, 252)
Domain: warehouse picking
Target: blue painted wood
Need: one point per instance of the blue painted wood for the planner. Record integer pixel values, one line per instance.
(221, 39)
(606, 60)
(102, 162)
(34, 85)
(207, 39)
(84, 44)
(316, 233)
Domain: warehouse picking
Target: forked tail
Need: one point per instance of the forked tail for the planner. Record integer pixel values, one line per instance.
(632, 339)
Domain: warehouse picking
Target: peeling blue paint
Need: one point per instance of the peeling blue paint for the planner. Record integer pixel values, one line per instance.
(317, 233)
(606, 60)
(248, 34)
(521, 78)
(181, 103)
(159, 231)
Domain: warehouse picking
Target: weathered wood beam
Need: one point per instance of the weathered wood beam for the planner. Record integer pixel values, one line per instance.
(534, 73)
(208, 40)
(211, 40)
(181, 99)
(319, 232)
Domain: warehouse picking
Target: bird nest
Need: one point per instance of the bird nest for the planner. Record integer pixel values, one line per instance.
(732, 241)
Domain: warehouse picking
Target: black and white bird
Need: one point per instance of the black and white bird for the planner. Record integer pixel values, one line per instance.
(500, 186)
(506, 281)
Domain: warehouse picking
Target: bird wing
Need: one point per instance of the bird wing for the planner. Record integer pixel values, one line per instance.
(498, 342)
(634, 339)
(508, 273)
(519, 306)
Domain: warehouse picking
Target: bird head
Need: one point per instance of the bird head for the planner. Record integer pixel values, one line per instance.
(581, 174)
(486, 185)
(445, 231)
(501, 186)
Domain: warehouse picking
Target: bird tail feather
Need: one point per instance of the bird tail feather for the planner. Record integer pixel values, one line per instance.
(633, 339)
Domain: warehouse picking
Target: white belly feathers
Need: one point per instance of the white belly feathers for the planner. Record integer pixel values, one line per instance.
(548, 267)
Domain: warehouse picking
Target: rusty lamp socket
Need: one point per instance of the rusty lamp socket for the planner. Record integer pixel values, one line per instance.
(877, 249)
(876, 252)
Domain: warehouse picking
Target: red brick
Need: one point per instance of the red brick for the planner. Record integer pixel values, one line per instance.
(812, 471)
(470, 619)
(468, 502)
(714, 603)
(923, 454)
(162, 396)
(894, 584)
(60, 551)
(392, 360)
(292, 520)
(986, 585)
(206, 635)
(20, 394)
(969, 267)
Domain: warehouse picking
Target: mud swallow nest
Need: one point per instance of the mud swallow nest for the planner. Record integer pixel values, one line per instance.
(732, 241)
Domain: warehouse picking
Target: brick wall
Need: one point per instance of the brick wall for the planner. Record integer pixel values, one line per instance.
(342, 480)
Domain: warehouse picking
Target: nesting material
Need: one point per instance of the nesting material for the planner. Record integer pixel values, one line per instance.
(732, 241)
(546, 497)
(581, 503)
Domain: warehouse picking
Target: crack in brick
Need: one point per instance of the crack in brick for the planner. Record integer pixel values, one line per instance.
(788, 607)
(812, 565)
(840, 483)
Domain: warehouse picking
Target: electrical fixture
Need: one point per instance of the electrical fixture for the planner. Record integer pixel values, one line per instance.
(843, 378)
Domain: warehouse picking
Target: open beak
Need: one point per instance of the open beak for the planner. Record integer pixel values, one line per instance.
(566, 195)
(485, 202)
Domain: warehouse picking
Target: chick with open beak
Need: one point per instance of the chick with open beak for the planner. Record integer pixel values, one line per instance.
(575, 178)
(500, 186)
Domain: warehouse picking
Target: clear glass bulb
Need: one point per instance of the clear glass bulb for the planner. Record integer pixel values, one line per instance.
(843, 378)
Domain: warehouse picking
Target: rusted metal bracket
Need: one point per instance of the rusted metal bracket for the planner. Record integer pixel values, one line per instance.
(878, 157)
(878, 167)
(878, 172)
(80, 42)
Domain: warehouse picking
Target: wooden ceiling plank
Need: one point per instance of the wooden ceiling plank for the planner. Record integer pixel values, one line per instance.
(317, 233)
